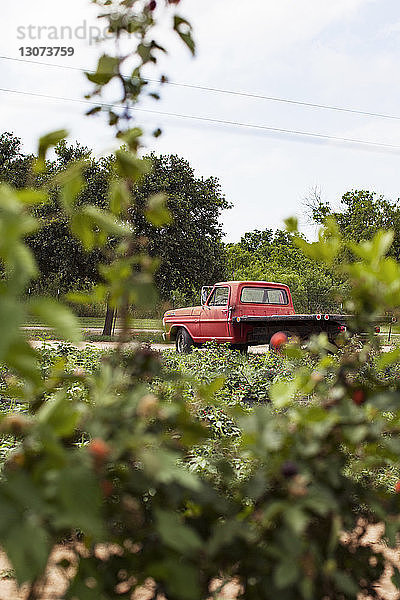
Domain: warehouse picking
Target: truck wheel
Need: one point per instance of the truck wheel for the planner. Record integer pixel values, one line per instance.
(183, 342)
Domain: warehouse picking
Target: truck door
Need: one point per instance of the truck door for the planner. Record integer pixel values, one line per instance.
(214, 315)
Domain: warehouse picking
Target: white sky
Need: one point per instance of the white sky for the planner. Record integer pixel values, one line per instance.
(343, 53)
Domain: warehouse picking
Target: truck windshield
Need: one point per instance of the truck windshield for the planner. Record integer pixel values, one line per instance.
(263, 295)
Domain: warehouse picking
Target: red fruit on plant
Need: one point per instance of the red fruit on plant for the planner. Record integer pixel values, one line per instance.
(99, 449)
(152, 5)
(358, 397)
(14, 424)
(278, 340)
(106, 487)
(397, 487)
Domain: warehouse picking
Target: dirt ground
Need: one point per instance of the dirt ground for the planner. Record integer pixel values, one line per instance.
(56, 583)
(56, 578)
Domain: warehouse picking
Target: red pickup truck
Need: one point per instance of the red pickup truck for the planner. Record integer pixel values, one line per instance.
(244, 313)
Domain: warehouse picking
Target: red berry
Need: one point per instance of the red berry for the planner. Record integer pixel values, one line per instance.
(358, 397)
(99, 449)
(152, 5)
(106, 487)
(397, 487)
(278, 340)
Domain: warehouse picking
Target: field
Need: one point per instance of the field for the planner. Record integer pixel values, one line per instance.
(243, 380)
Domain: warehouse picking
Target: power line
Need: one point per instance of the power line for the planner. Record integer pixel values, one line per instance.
(210, 120)
(253, 95)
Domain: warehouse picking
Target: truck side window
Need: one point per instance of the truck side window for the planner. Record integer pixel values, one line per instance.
(219, 297)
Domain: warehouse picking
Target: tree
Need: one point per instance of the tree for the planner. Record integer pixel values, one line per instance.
(62, 260)
(15, 167)
(273, 256)
(362, 214)
(190, 248)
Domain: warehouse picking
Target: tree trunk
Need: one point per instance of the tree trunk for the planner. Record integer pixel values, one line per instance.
(108, 323)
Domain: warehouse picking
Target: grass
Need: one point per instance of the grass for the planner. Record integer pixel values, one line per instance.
(143, 337)
(149, 337)
(98, 323)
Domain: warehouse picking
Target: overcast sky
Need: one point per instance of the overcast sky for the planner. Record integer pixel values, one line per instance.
(343, 53)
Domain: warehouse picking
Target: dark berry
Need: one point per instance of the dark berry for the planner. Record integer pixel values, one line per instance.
(289, 469)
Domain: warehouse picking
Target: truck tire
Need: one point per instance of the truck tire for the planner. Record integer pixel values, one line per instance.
(183, 342)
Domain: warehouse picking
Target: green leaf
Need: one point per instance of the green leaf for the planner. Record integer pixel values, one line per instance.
(282, 393)
(297, 519)
(81, 585)
(107, 68)
(131, 167)
(345, 583)
(57, 316)
(28, 559)
(20, 526)
(79, 501)
(373, 250)
(208, 391)
(385, 401)
(291, 224)
(31, 196)
(60, 415)
(286, 574)
(157, 212)
(71, 189)
(106, 222)
(45, 142)
(24, 360)
(120, 197)
(396, 577)
(175, 534)
(131, 138)
(225, 533)
(181, 579)
(81, 227)
(184, 30)
(93, 111)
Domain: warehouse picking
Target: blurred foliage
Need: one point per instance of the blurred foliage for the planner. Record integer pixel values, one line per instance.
(110, 451)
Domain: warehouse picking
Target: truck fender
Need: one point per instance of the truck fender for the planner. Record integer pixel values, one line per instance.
(174, 330)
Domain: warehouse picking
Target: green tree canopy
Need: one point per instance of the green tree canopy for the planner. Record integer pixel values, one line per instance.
(361, 215)
(273, 256)
(190, 248)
